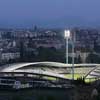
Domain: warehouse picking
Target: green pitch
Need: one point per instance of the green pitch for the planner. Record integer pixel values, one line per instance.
(76, 76)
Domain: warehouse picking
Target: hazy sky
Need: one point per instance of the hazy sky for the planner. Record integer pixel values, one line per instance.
(49, 13)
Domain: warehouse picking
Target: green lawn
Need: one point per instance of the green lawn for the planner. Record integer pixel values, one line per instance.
(69, 76)
(76, 76)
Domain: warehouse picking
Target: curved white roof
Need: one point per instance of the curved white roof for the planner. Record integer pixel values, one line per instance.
(13, 67)
(16, 66)
(21, 67)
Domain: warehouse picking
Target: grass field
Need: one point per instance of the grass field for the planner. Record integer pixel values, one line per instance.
(69, 76)
(76, 76)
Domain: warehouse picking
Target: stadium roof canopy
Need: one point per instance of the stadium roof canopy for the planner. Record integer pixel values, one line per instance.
(30, 67)
(16, 66)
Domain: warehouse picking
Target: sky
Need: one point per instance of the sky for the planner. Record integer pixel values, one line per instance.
(49, 13)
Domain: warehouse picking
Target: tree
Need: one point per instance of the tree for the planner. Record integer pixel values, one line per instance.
(50, 54)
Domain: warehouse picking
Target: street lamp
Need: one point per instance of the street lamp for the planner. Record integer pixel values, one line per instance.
(67, 36)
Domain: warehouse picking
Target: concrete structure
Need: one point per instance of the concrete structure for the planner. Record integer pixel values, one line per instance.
(10, 55)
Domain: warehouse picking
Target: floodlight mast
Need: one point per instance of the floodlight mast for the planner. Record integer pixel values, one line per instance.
(67, 36)
(73, 46)
(73, 53)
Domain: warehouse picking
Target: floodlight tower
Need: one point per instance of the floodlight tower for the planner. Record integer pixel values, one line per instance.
(67, 36)
(73, 52)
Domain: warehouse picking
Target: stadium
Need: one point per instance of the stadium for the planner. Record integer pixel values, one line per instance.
(44, 74)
